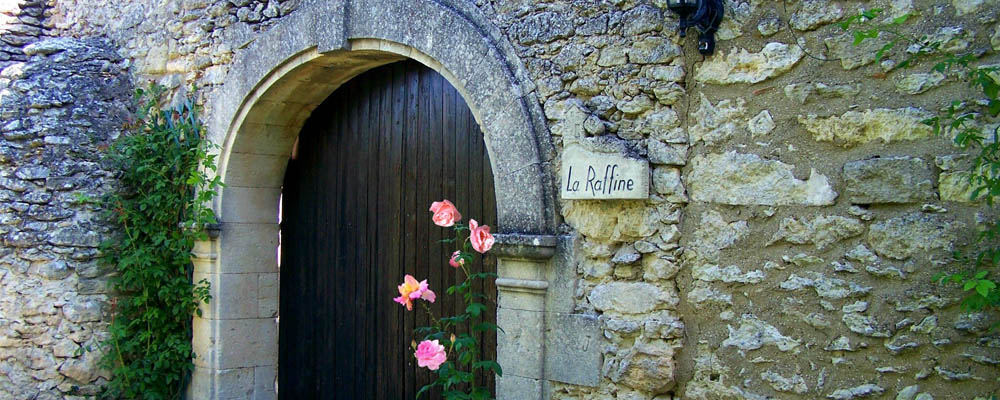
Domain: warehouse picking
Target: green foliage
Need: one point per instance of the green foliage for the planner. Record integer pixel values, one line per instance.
(962, 120)
(158, 212)
(457, 376)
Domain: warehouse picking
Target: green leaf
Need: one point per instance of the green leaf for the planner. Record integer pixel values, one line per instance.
(984, 287)
(424, 389)
(475, 309)
(859, 37)
(993, 108)
(488, 364)
(484, 326)
(881, 52)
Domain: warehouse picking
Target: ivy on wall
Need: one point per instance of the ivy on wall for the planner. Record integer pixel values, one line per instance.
(164, 167)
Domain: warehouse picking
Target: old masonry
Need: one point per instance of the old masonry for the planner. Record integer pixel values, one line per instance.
(762, 223)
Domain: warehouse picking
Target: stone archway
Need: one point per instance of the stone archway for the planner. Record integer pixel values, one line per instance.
(273, 86)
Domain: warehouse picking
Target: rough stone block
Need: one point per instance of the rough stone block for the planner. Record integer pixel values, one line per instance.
(573, 349)
(519, 342)
(265, 139)
(233, 296)
(247, 342)
(632, 297)
(562, 277)
(860, 127)
(516, 298)
(248, 248)
(518, 196)
(513, 387)
(249, 204)
(955, 186)
(747, 179)
(203, 342)
(280, 112)
(913, 234)
(228, 384)
(264, 382)
(741, 66)
(267, 295)
(888, 180)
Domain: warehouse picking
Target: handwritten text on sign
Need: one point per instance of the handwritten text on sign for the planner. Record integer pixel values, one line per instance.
(591, 175)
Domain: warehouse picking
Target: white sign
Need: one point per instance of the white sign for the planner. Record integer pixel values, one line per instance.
(592, 175)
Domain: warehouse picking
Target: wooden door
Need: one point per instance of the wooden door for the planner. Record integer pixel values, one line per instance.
(368, 164)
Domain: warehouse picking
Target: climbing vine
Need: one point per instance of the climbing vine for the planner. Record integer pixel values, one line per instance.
(963, 119)
(164, 167)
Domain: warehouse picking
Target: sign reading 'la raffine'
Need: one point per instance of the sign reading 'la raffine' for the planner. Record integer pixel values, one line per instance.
(591, 175)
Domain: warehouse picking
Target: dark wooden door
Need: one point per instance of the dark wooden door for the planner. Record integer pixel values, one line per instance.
(368, 164)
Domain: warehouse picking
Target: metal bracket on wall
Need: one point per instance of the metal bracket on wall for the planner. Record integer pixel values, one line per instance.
(704, 15)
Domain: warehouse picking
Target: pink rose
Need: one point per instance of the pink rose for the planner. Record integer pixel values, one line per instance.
(411, 290)
(480, 236)
(430, 354)
(445, 213)
(456, 259)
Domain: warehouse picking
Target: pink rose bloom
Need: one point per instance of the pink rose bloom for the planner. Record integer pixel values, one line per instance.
(456, 259)
(411, 290)
(480, 236)
(430, 354)
(445, 213)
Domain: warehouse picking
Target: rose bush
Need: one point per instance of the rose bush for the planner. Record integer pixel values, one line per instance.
(457, 376)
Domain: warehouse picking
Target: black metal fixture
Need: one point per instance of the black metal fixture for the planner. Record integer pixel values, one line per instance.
(705, 15)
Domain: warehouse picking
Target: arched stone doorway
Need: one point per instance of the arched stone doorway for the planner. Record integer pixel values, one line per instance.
(273, 86)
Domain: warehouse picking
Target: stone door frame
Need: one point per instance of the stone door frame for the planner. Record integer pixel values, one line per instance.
(272, 87)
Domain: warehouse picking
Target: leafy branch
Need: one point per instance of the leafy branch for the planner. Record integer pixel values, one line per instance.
(961, 120)
(457, 378)
(164, 165)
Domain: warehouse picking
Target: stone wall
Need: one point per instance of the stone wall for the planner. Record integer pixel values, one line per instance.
(60, 109)
(799, 213)
(20, 24)
(175, 43)
(799, 206)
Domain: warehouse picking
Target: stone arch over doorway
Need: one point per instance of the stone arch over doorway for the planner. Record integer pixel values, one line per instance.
(272, 87)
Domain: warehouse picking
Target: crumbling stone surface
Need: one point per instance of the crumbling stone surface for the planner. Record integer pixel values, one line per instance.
(63, 107)
(746, 179)
(888, 180)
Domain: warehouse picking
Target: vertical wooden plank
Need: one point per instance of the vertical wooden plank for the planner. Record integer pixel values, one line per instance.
(360, 217)
(410, 189)
(427, 189)
(310, 260)
(399, 352)
(374, 268)
(336, 243)
(448, 172)
(432, 165)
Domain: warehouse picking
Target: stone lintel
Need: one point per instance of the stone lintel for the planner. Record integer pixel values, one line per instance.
(522, 284)
(525, 246)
